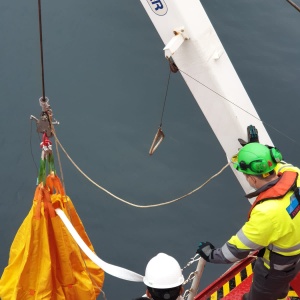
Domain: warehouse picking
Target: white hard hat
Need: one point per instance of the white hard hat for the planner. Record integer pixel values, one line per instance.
(163, 272)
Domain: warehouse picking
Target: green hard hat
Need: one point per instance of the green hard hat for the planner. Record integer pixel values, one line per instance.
(256, 159)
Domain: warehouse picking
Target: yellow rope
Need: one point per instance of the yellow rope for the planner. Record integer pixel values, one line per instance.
(129, 203)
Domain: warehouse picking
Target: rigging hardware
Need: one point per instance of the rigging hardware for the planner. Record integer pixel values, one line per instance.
(46, 121)
(177, 40)
(173, 66)
(157, 140)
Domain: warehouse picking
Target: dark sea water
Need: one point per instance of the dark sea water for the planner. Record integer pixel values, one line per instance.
(105, 76)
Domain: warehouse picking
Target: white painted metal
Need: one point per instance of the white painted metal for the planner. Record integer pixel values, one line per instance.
(196, 281)
(204, 58)
(175, 42)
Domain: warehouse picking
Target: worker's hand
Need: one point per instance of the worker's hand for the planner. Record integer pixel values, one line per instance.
(252, 136)
(205, 249)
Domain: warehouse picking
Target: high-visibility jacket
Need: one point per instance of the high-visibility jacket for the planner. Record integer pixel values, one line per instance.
(283, 166)
(273, 224)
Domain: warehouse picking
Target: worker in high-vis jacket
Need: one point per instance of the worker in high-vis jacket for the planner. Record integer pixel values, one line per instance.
(273, 225)
(163, 278)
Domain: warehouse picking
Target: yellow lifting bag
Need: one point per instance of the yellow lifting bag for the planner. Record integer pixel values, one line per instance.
(45, 261)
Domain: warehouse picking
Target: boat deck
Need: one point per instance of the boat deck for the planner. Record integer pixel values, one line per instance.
(237, 281)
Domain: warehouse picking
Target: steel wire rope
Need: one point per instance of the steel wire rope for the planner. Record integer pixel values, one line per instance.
(53, 131)
(43, 83)
(239, 107)
(163, 110)
(41, 48)
(43, 88)
(127, 202)
(193, 191)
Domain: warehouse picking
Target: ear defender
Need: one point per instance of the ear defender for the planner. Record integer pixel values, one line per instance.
(276, 154)
(259, 166)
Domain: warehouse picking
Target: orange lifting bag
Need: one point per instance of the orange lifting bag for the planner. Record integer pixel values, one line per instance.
(45, 261)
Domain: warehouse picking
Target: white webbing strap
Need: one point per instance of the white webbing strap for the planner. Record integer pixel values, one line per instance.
(106, 267)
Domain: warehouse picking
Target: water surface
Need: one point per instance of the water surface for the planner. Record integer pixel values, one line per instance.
(105, 75)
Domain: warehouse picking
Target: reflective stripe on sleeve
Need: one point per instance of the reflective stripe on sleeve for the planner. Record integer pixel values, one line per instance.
(228, 254)
(242, 237)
